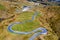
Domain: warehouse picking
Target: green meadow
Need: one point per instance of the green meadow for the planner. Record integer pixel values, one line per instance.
(2, 7)
(28, 26)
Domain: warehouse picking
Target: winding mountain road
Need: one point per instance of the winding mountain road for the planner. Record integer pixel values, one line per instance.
(43, 30)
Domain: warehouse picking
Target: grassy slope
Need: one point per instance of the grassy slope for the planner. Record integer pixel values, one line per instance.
(24, 16)
(28, 26)
(2, 7)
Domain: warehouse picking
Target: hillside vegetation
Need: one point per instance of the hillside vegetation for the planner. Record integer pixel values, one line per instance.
(50, 19)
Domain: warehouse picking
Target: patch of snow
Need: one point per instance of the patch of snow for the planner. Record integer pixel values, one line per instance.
(26, 8)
